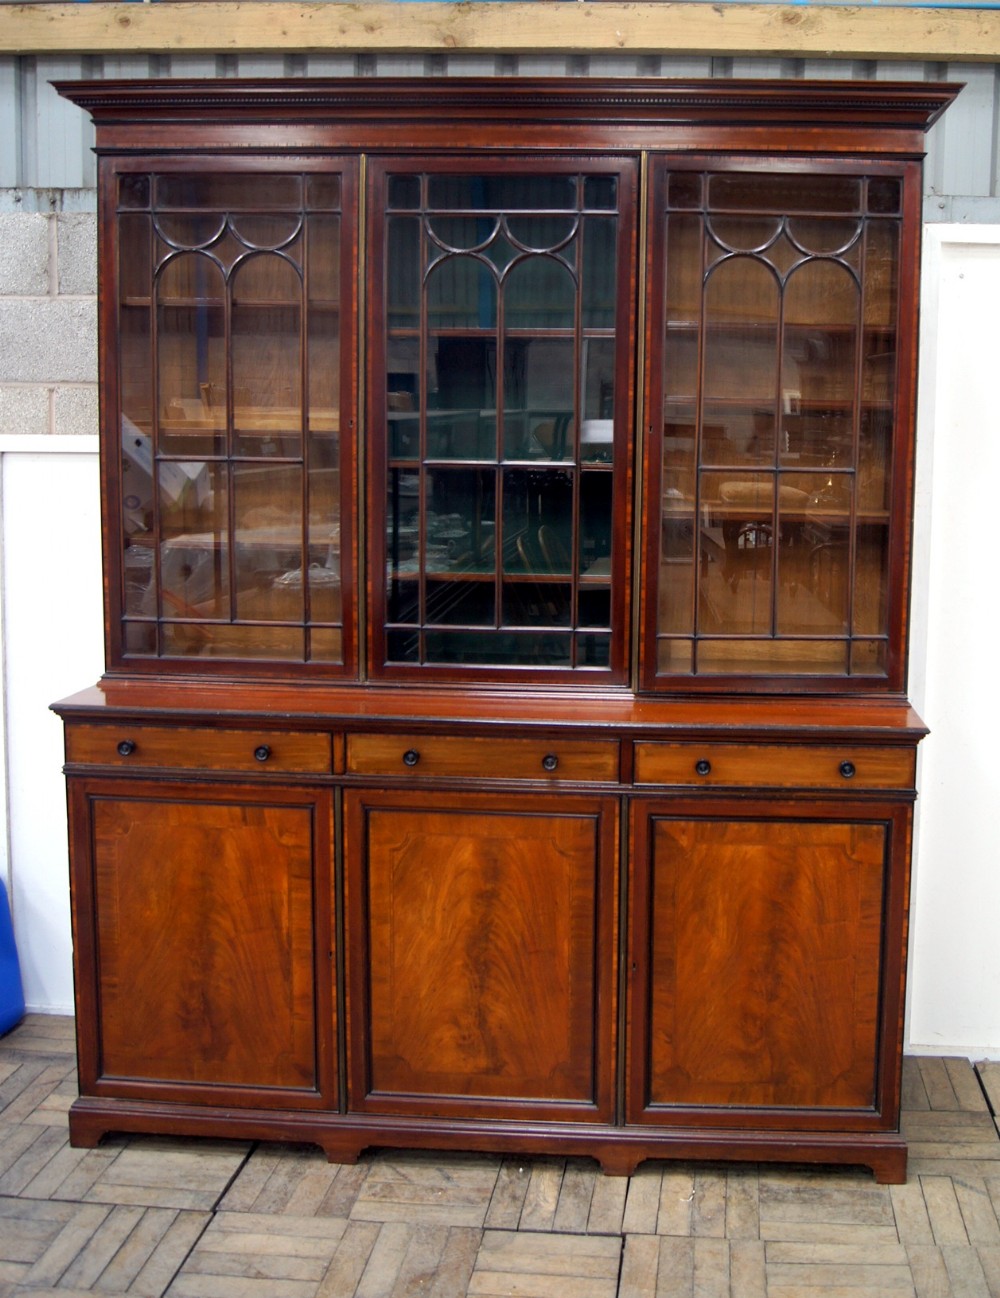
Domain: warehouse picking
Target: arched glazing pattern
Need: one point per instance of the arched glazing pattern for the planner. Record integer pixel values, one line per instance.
(779, 317)
(230, 303)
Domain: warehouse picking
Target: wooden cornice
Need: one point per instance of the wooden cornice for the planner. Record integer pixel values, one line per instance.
(868, 32)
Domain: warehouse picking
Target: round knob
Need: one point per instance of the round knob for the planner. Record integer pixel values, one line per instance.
(262, 753)
(411, 757)
(549, 762)
(848, 770)
(126, 748)
(703, 766)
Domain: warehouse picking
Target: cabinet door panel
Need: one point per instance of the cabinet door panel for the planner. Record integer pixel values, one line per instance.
(761, 942)
(489, 936)
(203, 906)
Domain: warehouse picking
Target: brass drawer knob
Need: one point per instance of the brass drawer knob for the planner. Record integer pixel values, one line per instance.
(848, 770)
(262, 752)
(549, 762)
(703, 766)
(411, 757)
(126, 747)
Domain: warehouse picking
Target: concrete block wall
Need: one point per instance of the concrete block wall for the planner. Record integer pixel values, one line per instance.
(48, 317)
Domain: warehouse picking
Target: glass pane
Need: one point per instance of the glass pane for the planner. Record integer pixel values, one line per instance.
(322, 191)
(785, 657)
(325, 645)
(736, 553)
(133, 191)
(533, 499)
(596, 502)
(135, 344)
(402, 283)
(191, 360)
(884, 194)
(461, 420)
(540, 293)
(738, 191)
(532, 601)
(741, 360)
(538, 398)
(869, 658)
(600, 191)
(139, 638)
(814, 557)
(200, 230)
(819, 236)
(266, 339)
(499, 648)
(684, 190)
(266, 233)
(461, 294)
(871, 584)
(134, 259)
(323, 283)
(746, 233)
(267, 555)
(404, 191)
(235, 641)
(228, 192)
(460, 522)
(542, 234)
(510, 192)
(194, 549)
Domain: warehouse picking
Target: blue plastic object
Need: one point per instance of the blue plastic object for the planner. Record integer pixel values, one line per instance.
(11, 991)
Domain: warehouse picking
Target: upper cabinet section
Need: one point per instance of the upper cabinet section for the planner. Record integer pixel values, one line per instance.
(603, 383)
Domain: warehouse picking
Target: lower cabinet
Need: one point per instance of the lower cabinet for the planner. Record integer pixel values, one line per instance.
(204, 937)
(482, 967)
(560, 959)
(766, 972)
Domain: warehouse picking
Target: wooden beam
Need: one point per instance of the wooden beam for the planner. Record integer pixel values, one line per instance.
(523, 26)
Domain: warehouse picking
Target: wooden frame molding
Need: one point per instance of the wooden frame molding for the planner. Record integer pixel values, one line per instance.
(785, 30)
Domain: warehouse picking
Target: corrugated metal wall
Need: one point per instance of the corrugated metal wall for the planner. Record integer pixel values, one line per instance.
(45, 142)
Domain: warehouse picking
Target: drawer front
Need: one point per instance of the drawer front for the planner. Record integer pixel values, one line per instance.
(850, 766)
(497, 759)
(194, 748)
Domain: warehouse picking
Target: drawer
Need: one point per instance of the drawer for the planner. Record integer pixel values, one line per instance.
(194, 748)
(496, 759)
(827, 766)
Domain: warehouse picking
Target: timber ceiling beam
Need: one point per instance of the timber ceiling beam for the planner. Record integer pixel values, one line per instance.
(523, 26)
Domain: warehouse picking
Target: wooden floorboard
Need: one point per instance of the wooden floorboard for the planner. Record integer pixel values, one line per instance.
(165, 1218)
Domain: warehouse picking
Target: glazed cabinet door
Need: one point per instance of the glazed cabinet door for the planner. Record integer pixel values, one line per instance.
(500, 373)
(781, 371)
(766, 957)
(203, 936)
(481, 954)
(230, 401)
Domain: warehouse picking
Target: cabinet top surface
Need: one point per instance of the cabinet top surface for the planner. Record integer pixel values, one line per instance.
(321, 706)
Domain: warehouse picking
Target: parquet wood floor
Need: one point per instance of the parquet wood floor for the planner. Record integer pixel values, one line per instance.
(198, 1219)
